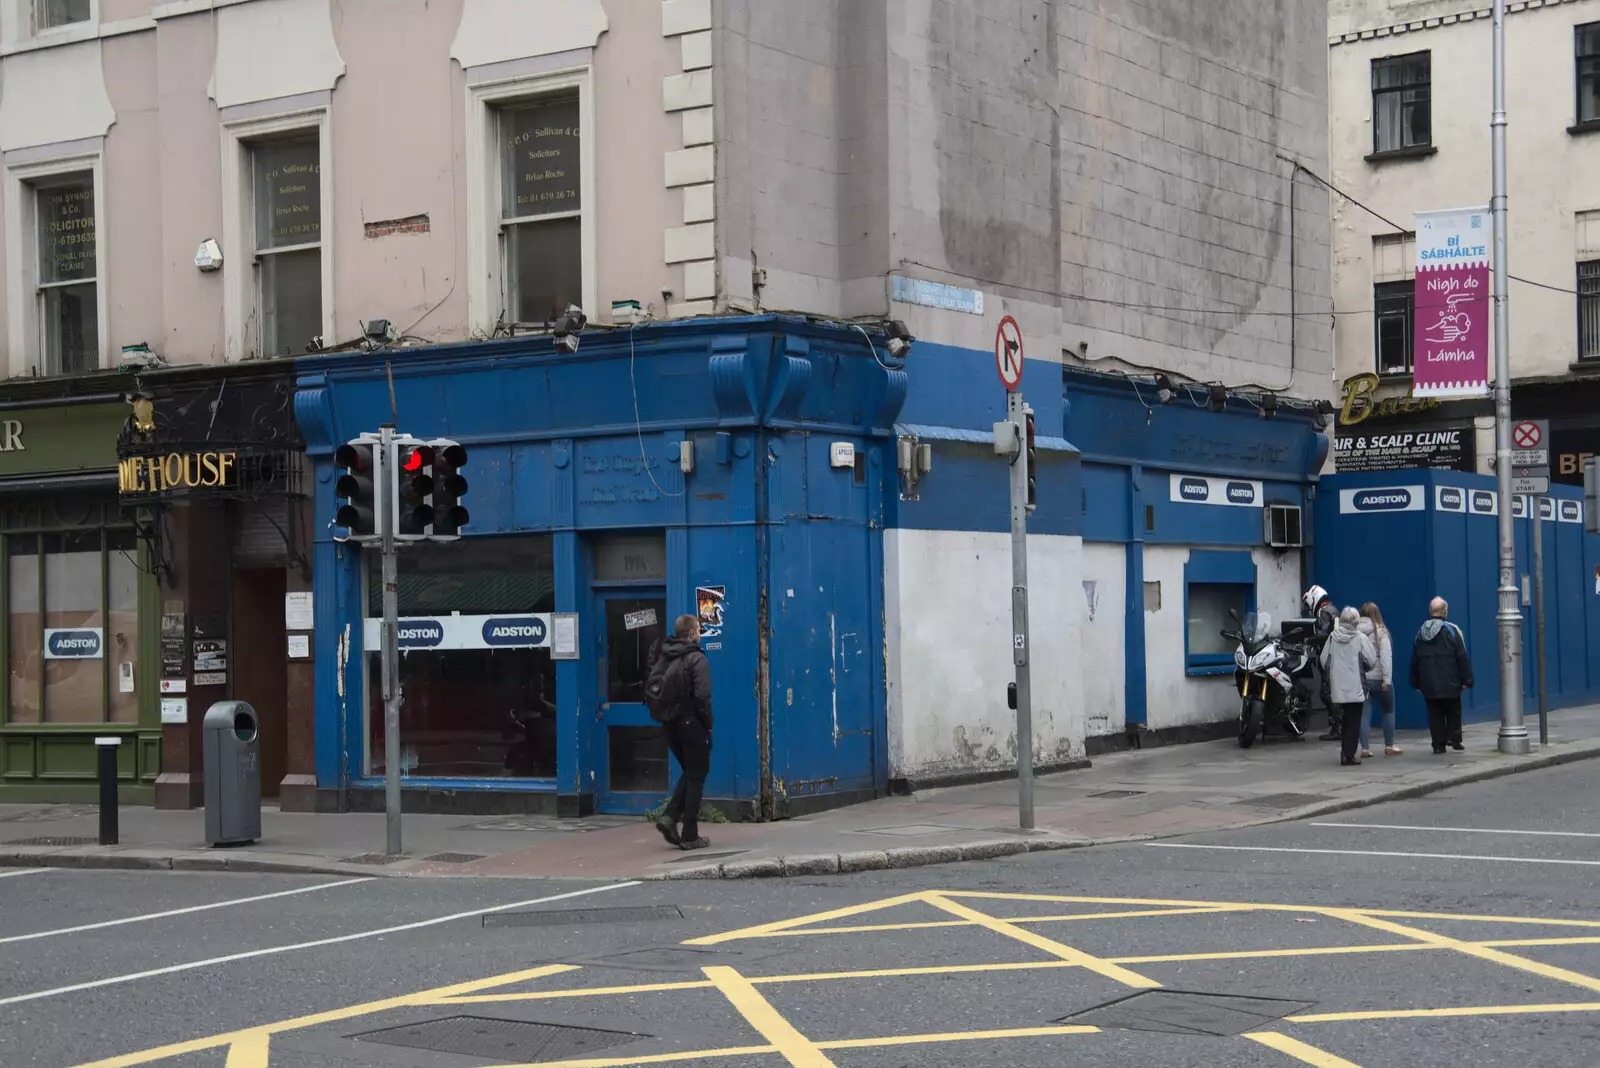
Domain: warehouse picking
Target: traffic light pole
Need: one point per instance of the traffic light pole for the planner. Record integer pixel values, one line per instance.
(1016, 412)
(387, 486)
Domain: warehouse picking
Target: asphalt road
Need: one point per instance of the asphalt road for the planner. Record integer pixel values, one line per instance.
(1461, 928)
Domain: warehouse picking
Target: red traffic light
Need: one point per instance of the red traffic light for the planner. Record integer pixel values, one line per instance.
(417, 459)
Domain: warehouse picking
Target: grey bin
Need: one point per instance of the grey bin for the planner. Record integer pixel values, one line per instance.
(233, 773)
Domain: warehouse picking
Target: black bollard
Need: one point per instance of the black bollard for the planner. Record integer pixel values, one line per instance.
(108, 788)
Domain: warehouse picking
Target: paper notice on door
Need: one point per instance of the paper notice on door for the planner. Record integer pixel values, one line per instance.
(299, 646)
(644, 617)
(174, 710)
(564, 636)
(297, 611)
(125, 677)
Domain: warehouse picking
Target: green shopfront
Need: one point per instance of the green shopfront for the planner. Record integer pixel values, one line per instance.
(80, 611)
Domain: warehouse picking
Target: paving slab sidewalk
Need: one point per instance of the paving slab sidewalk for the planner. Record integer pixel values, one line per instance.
(1135, 795)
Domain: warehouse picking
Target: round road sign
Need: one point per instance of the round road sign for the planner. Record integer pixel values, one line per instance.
(1527, 435)
(1008, 353)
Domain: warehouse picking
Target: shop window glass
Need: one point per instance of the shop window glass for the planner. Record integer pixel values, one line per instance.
(470, 713)
(1209, 605)
(53, 13)
(74, 687)
(631, 558)
(634, 626)
(26, 635)
(122, 636)
(288, 204)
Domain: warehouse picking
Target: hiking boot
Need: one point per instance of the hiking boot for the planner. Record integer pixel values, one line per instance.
(695, 843)
(669, 831)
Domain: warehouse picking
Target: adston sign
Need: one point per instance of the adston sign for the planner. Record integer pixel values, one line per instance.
(1237, 492)
(1382, 499)
(420, 633)
(75, 643)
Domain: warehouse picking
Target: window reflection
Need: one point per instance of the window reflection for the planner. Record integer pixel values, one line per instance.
(74, 689)
(633, 627)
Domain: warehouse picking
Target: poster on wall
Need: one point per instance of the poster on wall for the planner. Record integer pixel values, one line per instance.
(708, 605)
(1445, 449)
(1451, 340)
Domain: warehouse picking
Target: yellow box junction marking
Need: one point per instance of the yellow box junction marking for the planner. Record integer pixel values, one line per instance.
(250, 1047)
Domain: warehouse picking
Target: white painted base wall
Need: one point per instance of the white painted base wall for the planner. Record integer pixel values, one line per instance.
(1176, 699)
(947, 607)
(1105, 583)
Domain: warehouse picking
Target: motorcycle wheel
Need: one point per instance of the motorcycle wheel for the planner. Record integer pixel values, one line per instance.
(1249, 723)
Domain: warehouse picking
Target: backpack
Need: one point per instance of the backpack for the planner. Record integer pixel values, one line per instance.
(663, 689)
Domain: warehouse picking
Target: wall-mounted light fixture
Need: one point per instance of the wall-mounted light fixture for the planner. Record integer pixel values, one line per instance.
(1218, 397)
(1269, 406)
(1165, 391)
(900, 339)
(568, 328)
(209, 256)
(914, 459)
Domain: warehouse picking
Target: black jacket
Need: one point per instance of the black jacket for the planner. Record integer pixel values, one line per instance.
(695, 698)
(1439, 664)
(1322, 627)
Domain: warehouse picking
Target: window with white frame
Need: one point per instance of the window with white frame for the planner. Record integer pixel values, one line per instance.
(538, 150)
(286, 193)
(52, 14)
(1393, 302)
(66, 286)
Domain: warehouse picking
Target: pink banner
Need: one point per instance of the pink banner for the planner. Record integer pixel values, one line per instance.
(1453, 306)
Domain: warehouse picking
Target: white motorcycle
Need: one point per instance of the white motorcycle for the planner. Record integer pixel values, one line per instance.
(1267, 673)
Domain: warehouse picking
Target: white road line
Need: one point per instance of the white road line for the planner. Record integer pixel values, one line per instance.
(1460, 830)
(271, 950)
(180, 912)
(1365, 853)
(9, 872)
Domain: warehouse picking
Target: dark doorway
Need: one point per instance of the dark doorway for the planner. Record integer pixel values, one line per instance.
(260, 659)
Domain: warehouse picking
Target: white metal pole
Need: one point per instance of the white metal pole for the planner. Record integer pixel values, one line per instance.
(383, 499)
(1016, 411)
(1513, 732)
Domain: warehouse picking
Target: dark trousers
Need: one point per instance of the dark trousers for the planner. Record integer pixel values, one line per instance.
(1444, 721)
(690, 744)
(1349, 729)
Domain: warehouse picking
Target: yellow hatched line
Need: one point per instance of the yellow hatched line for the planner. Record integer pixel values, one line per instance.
(927, 924)
(1509, 960)
(758, 1012)
(1038, 941)
(251, 1052)
(799, 921)
(1464, 1010)
(1300, 1051)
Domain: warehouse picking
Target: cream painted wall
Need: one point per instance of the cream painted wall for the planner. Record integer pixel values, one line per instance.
(1104, 637)
(147, 78)
(1551, 172)
(949, 658)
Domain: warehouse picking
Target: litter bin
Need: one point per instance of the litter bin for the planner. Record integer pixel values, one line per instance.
(233, 773)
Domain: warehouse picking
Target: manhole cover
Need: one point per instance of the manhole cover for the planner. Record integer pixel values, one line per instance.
(694, 856)
(454, 858)
(46, 840)
(517, 1041)
(1281, 800)
(372, 858)
(558, 917)
(915, 830)
(1119, 793)
(550, 823)
(1185, 1012)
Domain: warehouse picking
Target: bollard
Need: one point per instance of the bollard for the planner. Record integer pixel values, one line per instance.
(108, 788)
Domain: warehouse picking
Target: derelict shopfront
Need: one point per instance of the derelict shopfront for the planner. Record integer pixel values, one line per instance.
(525, 645)
(79, 601)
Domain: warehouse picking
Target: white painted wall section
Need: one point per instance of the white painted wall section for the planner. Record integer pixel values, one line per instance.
(53, 96)
(496, 31)
(1105, 584)
(272, 49)
(1173, 698)
(949, 655)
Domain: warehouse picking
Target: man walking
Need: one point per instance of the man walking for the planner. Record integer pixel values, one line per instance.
(1440, 670)
(679, 695)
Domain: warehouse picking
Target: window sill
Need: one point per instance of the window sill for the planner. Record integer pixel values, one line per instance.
(1586, 127)
(1586, 365)
(1415, 152)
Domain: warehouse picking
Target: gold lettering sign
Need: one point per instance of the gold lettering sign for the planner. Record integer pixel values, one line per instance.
(178, 470)
(1360, 405)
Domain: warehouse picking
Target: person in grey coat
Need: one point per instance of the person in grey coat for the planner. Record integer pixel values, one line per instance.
(1346, 659)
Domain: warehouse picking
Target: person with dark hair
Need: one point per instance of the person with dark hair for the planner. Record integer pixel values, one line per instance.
(1440, 670)
(679, 693)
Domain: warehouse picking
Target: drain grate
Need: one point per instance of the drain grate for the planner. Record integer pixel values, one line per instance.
(561, 917)
(516, 1041)
(47, 840)
(454, 858)
(1187, 1012)
(52, 814)
(372, 858)
(694, 856)
(1119, 793)
(915, 830)
(1281, 800)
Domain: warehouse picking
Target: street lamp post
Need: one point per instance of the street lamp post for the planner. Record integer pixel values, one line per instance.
(1513, 733)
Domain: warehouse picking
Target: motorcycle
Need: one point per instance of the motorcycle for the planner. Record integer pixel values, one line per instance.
(1268, 673)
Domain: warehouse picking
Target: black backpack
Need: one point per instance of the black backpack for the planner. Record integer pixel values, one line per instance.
(663, 688)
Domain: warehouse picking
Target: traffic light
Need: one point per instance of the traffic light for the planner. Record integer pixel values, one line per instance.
(413, 490)
(1032, 471)
(449, 486)
(357, 509)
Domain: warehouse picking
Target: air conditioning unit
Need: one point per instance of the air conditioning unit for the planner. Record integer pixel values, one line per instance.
(1283, 527)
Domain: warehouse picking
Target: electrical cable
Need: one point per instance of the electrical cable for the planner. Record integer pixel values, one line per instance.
(638, 427)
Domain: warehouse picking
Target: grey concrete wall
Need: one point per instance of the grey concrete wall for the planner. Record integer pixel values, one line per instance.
(1107, 170)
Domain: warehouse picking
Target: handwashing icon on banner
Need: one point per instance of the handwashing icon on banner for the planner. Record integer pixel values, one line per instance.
(1453, 322)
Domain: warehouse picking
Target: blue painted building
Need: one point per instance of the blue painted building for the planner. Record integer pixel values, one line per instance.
(581, 509)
